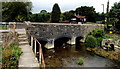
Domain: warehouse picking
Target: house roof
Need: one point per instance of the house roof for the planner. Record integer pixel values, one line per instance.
(80, 16)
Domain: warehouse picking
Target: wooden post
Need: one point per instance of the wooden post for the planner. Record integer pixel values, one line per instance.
(14, 27)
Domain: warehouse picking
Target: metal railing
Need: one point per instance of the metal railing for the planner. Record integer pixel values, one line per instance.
(33, 44)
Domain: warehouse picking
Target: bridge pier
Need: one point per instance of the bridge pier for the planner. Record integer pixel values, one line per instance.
(72, 41)
(50, 44)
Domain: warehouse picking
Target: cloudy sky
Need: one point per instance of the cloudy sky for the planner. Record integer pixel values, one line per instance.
(66, 5)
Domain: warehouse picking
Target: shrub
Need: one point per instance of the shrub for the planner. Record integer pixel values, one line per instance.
(90, 41)
(117, 25)
(10, 56)
(80, 61)
(16, 51)
(96, 38)
(99, 41)
(98, 33)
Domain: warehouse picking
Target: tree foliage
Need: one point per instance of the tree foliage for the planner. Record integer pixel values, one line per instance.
(115, 15)
(15, 11)
(55, 13)
(67, 15)
(97, 33)
(86, 11)
(43, 11)
(100, 17)
(43, 16)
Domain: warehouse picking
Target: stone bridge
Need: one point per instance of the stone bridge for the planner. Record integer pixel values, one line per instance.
(52, 32)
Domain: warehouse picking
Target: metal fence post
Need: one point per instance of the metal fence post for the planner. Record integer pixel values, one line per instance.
(35, 48)
(32, 42)
(40, 54)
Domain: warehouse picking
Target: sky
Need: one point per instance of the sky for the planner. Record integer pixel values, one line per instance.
(67, 5)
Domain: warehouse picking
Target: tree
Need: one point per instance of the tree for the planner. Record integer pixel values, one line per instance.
(15, 11)
(43, 16)
(67, 15)
(115, 15)
(100, 17)
(43, 11)
(87, 11)
(55, 13)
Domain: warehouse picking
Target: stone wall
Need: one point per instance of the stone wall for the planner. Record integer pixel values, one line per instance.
(54, 30)
(115, 42)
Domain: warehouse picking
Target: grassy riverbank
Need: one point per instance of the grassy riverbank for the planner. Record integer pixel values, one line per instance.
(113, 55)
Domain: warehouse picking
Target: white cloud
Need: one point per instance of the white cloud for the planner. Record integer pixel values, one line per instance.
(67, 5)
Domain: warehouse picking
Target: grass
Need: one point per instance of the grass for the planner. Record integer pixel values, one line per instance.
(91, 23)
(113, 55)
(113, 36)
(80, 61)
(2, 27)
(0, 54)
(10, 56)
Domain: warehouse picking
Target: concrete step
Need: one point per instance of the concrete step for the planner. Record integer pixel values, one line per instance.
(24, 45)
(22, 36)
(27, 58)
(23, 42)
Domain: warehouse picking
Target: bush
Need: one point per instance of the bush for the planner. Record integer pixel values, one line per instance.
(10, 56)
(117, 25)
(90, 41)
(80, 61)
(98, 33)
(99, 41)
(95, 38)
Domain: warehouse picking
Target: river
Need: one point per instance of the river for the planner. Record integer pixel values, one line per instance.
(68, 56)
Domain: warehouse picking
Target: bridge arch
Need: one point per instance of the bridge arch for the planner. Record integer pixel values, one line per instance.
(62, 40)
(79, 38)
(43, 41)
(79, 41)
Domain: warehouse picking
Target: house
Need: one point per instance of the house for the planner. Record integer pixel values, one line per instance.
(78, 19)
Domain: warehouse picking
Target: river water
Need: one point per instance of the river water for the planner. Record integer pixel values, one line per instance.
(69, 55)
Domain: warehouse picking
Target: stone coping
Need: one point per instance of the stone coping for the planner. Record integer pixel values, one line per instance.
(47, 23)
